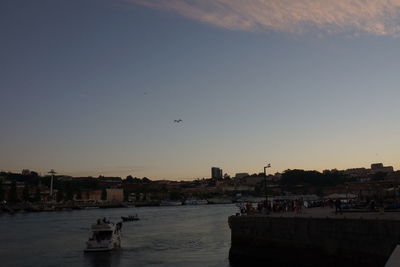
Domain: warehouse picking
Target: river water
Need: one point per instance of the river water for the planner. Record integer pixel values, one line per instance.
(165, 236)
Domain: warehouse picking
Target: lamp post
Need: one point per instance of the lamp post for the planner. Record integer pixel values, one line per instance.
(52, 172)
(265, 178)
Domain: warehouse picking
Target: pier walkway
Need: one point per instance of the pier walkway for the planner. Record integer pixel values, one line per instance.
(327, 212)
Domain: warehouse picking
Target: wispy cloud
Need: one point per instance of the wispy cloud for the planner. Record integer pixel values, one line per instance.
(378, 17)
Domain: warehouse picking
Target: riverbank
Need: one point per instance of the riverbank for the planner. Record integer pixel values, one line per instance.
(49, 206)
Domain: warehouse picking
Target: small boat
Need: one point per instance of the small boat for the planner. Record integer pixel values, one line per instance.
(219, 201)
(147, 204)
(193, 201)
(91, 208)
(130, 218)
(106, 236)
(170, 203)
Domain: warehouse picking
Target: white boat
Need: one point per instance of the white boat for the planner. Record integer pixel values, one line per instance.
(193, 201)
(106, 236)
(170, 203)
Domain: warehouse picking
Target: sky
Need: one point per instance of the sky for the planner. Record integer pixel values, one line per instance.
(92, 87)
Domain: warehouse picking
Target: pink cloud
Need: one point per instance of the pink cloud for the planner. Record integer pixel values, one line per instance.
(378, 17)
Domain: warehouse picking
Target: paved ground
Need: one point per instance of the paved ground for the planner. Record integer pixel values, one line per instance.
(394, 260)
(330, 213)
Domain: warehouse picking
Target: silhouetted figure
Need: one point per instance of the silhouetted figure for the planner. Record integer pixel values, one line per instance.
(119, 226)
(372, 205)
(338, 206)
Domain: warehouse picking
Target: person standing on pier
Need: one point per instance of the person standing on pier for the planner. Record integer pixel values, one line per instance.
(338, 206)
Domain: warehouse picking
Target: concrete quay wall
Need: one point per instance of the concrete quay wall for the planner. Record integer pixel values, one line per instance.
(292, 241)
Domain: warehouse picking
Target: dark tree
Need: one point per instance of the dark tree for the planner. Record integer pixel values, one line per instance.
(12, 194)
(104, 194)
(146, 180)
(60, 195)
(69, 194)
(379, 176)
(1, 192)
(175, 195)
(126, 195)
(37, 197)
(134, 180)
(311, 178)
(25, 193)
(79, 194)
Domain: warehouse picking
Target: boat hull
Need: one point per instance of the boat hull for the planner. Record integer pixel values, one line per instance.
(98, 249)
(115, 245)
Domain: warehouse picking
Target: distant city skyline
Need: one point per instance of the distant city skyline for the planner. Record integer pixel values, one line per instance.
(216, 172)
(96, 87)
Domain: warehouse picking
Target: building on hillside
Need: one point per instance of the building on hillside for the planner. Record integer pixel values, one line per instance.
(245, 188)
(241, 175)
(364, 173)
(26, 172)
(112, 182)
(232, 188)
(65, 178)
(133, 197)
(7, 188)
(115, 194)
(357, 172)
(252, 180)
(92, 195)
(394, 177)
(378, 167)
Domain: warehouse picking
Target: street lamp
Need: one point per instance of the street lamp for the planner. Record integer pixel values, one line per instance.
(52, 172)
(265, 178)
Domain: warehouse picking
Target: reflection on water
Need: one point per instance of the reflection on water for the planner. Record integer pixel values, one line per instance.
(103, 259)
(165, 236)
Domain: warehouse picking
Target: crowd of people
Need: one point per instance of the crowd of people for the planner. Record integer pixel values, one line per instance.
(297, 206)
(266, 207)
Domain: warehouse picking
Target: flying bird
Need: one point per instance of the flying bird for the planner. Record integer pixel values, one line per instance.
(178, 121)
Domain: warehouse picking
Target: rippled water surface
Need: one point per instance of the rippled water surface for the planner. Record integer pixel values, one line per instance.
(165, 236)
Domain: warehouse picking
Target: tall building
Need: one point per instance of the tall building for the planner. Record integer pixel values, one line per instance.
(378, 167)
(216, 173)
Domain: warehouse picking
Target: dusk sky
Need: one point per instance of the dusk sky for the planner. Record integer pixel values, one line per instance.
(92, 87)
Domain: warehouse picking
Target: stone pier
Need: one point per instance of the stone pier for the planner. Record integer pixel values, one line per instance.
(316, 237)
